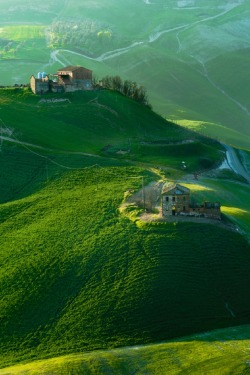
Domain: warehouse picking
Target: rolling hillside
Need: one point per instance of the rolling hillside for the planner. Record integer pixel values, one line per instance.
(71, 263)
(83, 286)
(217, 352)
(103, 123)
(192, 57)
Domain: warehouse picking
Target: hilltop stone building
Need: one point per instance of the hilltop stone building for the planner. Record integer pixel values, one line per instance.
(40, 85)
(75, 78)
(68, 79)
(176, 201)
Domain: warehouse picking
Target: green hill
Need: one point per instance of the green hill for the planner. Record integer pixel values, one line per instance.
(192, 59)
(43, 138)
(71, 265)
(104, 123)
(217, 352)
(76, 275)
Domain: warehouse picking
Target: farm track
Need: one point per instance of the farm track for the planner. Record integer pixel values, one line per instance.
(233, 161)
(28, 147)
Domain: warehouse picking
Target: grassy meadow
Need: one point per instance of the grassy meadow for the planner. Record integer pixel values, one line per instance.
(185, 56)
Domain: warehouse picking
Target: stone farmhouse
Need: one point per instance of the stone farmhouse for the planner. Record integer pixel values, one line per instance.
(68, 79)
(40, 85)
(176, 201)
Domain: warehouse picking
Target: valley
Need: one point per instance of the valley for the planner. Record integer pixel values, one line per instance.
(167, 37)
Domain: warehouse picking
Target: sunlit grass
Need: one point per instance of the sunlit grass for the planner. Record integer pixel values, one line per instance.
(233, 137)
(197, 187)
(233, 196)
(234, 211)
(71, 263)
(23, 32)
(216, 352)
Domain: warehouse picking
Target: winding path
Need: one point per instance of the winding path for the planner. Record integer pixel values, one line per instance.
(235, 164)
(232, 158)
(105, 56)
(152, 38)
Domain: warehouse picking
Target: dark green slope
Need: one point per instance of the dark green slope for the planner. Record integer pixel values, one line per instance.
(75, 275)
(84, 121)
(215, 352)
(97, 122)
(101, 123)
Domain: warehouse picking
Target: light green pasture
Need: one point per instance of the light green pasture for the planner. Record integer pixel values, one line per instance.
(215, 353)
(22, 32)
(234, 198)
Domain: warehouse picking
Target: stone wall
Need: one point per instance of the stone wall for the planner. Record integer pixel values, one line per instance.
(174, 204)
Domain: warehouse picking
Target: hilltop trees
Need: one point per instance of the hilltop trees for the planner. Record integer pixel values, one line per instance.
(127, 88)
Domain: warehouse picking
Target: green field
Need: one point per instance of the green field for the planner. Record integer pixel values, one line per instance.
(79, 276)
(217, 352)
(20, 33)
(71, 264)
(185, 55)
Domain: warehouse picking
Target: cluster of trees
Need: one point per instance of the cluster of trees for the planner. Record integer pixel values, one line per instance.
(84, 34)
(127, 88)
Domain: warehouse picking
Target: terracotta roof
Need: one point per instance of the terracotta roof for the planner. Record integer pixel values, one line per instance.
(71, 68)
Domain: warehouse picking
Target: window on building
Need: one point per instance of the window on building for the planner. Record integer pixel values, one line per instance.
(167, 199)
(173, 199)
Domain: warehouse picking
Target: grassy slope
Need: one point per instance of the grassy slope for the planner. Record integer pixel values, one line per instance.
(119, 123)
(232, 195)
(178, 76)
(217, 352)
(71, 266)
(115, 119)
